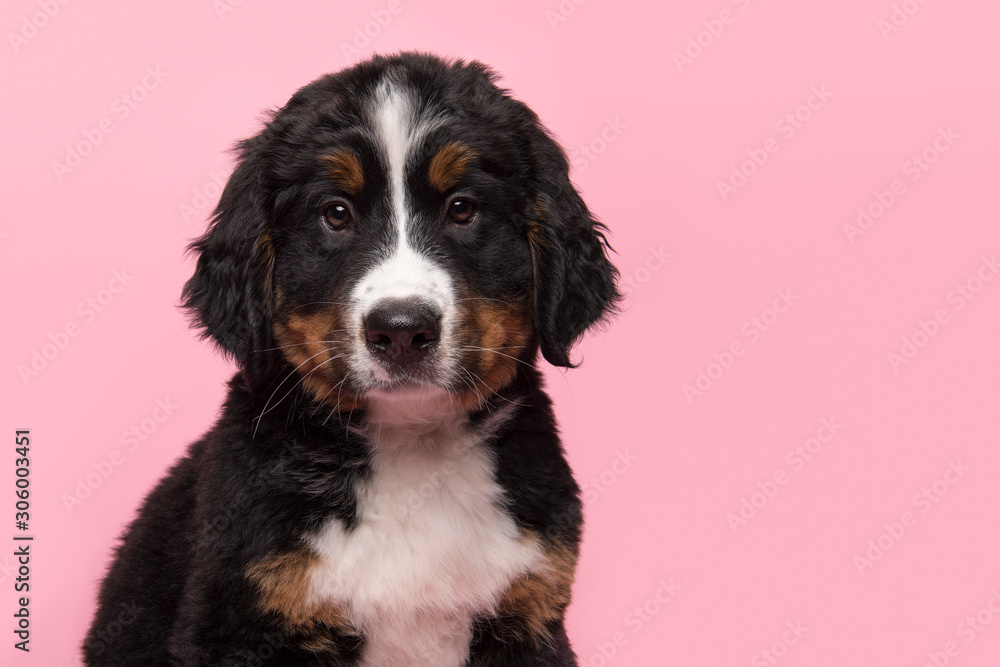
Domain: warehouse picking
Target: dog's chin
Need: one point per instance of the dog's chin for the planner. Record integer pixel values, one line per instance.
(407, 392)
(413, 406)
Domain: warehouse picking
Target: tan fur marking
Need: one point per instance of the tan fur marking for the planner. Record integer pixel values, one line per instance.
(448, 165)
(345, 169)
(283, 582)
(502, 331)
(536, 241)
(311, 343)
(536, 228)
(536, 236)
(265, 252)
(539, 598)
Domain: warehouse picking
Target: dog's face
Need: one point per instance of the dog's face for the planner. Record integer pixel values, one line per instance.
(397, 227)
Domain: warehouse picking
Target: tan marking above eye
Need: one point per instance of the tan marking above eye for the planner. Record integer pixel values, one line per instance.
(448, 165)
(345, 170)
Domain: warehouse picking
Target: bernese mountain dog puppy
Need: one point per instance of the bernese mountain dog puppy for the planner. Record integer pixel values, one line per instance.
(385, 484)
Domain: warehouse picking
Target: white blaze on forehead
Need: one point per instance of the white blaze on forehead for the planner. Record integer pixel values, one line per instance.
(396, 127)
(402, 272)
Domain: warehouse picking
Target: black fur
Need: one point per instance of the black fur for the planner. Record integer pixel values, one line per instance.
(574, 281)
(275, 466)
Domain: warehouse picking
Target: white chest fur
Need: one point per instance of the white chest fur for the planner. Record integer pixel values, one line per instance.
(433, 548)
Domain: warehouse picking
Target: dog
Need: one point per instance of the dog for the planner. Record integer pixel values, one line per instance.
(385, 484)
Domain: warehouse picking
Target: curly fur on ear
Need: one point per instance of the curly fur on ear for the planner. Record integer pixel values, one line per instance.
(575, 282)
(230, 294)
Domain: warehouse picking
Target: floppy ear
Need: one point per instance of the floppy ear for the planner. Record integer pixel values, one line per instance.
(574, 280)
(230, 295)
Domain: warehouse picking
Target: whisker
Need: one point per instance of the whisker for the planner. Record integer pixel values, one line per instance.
(482, 298)
(305, 377)
(326, 303)
(285, 379)
(339, 385)
(493, 392)
(494, 351)
(308, 342)
(472, 384)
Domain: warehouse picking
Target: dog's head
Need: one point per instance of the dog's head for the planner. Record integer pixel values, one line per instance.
(401, 224)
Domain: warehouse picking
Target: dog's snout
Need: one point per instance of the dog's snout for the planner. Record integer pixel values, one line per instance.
(402, 331)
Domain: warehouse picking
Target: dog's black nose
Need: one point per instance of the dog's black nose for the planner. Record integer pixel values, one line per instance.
(402, 331)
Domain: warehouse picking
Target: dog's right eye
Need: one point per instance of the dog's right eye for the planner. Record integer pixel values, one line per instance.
(336, 215)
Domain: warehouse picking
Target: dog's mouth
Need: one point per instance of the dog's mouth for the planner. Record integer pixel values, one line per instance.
(416, 374)
(402, 379)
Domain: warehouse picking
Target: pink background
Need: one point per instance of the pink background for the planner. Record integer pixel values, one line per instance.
(652, 136)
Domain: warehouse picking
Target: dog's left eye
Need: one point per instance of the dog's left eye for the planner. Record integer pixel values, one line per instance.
(461, 210)
(336, 215)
